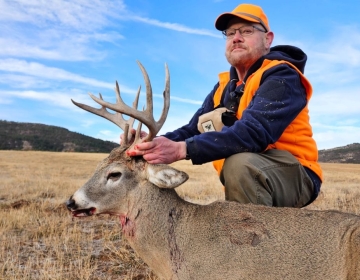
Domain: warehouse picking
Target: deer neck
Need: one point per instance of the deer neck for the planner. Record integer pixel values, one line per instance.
(151, 224)
(147, 210)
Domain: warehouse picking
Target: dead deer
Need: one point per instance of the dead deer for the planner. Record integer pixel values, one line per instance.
(222, 240)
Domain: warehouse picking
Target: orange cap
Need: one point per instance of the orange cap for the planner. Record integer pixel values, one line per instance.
(247, 12)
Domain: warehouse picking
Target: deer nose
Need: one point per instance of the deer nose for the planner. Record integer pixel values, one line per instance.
(70, 204)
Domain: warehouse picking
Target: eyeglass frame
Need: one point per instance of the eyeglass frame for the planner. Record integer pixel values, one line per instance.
(239, 29)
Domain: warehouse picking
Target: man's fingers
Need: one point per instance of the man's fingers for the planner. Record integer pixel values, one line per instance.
(144, 146)
(133, 153)
(140, 149)
(150, 157)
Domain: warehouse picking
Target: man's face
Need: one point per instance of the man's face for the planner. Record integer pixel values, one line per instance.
(242, 51)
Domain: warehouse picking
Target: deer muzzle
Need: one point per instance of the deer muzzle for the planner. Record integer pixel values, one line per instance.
(76, 212)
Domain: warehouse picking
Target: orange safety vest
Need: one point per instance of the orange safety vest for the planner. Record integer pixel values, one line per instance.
(297, 137)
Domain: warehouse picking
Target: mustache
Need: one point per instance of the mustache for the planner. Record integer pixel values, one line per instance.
(237, 46)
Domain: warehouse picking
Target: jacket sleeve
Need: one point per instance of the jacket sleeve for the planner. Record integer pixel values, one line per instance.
(279, 99)
(190, 129)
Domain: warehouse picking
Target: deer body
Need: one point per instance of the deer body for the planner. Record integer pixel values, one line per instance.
(222, 240)
(227, 241)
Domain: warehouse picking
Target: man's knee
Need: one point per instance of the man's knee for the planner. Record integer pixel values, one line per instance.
(238, 165)
(273, 178)
(240, 178)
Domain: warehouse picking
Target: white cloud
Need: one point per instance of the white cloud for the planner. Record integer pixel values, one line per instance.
(345, 41)
(43, 72)
(182, 100)
(337, 103)
(109, 135)
(336, 136)
(37, 74)
(68, 47)
(80, 14)
(22, 81)
(175, 26)
(335, 60)
(58, 30)
(51, 98)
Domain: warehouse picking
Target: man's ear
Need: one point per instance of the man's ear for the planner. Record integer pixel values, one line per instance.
(269, 37)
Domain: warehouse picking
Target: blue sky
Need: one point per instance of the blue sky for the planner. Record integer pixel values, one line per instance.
(55, 50)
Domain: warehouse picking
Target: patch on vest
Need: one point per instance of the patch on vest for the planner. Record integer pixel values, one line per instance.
(211, 121)
(208, 126)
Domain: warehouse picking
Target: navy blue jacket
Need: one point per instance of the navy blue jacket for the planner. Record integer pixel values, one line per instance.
(256, 129)
(253, 132)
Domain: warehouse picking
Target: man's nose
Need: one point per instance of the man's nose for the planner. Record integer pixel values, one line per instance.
(238, 37)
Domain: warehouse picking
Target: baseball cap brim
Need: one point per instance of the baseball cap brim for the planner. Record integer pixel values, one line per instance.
(246, 12)
(223, 20)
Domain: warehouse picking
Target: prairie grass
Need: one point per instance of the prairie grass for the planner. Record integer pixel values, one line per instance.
(40, 240)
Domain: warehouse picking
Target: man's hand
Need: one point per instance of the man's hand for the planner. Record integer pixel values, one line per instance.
(159, 150)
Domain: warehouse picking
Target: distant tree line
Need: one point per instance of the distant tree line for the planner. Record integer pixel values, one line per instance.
(41, 137)
(345, 154)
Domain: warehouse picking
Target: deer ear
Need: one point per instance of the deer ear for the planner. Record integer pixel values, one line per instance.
(165, 176)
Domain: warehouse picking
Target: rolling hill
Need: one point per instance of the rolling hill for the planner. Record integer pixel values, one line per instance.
(41, 137)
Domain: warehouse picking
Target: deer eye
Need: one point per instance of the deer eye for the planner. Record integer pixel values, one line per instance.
(113, 176)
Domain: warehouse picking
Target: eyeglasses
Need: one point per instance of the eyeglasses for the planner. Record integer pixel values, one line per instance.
(244, 31)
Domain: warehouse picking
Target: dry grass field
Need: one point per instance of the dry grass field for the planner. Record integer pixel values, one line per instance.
(40, 240)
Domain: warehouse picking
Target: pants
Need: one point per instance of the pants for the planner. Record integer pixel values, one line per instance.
(272, 178)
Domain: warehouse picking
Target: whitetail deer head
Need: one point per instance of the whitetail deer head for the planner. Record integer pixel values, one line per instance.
(118, 176)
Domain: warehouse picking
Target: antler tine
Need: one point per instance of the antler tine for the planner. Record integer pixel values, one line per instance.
(131, 120)
(154, 126)
(137, 135)
(102, 112)
(121, 107)
(166, 95)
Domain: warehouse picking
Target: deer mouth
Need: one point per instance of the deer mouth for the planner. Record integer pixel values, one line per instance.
(84, 212)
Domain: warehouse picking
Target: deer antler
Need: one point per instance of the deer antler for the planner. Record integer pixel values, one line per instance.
(116, 118)
(144, 117)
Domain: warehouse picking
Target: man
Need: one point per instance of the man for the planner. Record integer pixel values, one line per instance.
(257, 117)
